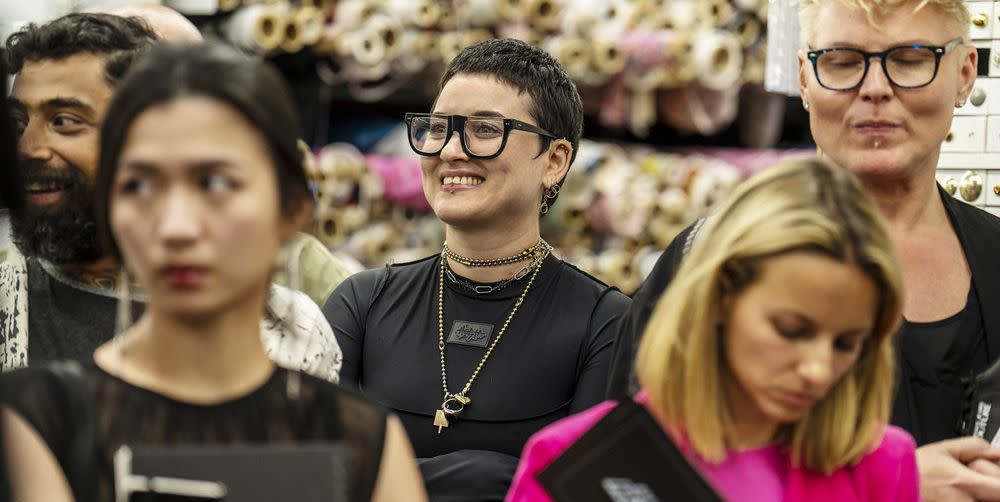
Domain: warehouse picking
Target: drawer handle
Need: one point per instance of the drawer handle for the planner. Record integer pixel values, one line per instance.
(950, 185)
(996, 189)
(980, 19)
(949, 137)
(971, 186)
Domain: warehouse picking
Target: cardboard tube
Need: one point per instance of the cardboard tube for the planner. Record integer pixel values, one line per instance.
(718, 58)
(544, 14)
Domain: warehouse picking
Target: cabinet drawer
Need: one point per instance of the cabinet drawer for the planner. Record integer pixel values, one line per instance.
(968, 134)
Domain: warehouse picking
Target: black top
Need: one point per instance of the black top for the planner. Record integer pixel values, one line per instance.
(929, 396)
(127, 414)
(551, 362)
(66, 320)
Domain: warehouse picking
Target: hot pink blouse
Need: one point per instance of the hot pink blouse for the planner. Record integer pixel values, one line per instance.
(889, 473)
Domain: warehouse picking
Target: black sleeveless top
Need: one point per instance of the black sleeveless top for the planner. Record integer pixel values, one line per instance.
(126, 414)
(935, 358)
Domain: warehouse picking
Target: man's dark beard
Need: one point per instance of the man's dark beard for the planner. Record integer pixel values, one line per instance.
(63, 232)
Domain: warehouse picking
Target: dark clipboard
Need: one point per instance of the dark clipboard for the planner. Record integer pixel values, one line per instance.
(246, 473)
(625, 457)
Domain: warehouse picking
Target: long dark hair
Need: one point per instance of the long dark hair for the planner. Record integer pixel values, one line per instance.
(248, 84)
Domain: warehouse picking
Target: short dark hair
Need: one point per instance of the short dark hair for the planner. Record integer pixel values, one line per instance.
(555, 101)
(121, 39)
(248, 84)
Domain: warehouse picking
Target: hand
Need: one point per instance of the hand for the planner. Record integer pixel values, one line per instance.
(960, 470)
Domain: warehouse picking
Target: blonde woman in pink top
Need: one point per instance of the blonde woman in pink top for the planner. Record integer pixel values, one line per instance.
(769, 361)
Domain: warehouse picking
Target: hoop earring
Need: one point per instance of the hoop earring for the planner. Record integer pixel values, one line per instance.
(550, 193)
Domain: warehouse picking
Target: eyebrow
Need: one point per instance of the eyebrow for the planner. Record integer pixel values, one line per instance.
(810, 324)
(853, 45)
(54, 103)
(477, 113)
(198, 167)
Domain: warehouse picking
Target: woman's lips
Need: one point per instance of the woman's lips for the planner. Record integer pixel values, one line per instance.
(876, 128)
(184, 276)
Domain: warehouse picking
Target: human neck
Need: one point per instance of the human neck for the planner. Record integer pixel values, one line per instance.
(484, 244)
(201, 361)
(102, 273)
(907, 204)
(751, 429)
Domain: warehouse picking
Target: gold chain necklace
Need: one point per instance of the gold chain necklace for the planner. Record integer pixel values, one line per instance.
(495, 262)
(453, 404)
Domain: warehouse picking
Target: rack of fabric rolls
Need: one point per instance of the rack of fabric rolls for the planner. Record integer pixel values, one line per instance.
(618, 208)
(677, 61)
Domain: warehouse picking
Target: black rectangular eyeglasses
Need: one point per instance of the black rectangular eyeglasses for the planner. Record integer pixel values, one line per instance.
(482, 137)
(906, 66)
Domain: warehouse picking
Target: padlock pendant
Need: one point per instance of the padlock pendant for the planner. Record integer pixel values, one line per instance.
(440, 420)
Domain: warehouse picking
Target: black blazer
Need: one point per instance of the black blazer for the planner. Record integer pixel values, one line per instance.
(979, 234)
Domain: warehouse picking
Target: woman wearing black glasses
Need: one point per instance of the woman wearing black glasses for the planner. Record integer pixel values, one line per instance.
(880, 80)
(484, 344)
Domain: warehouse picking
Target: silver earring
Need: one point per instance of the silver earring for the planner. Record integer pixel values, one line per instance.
(960, 103)
(805, 104)
(550, 193)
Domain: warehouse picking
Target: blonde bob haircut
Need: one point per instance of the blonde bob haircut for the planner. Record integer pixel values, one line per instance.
(799, 205)
(955, 10)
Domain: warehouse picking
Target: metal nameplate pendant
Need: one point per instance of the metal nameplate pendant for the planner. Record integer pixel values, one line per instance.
(450, 408)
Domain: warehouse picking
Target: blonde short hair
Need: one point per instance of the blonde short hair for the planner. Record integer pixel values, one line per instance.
(956, 10)
(799, 205)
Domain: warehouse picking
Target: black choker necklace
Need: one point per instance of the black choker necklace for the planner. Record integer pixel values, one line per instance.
(527, 254)
(485, 289)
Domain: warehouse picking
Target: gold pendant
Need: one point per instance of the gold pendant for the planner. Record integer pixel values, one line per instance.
(440, 420)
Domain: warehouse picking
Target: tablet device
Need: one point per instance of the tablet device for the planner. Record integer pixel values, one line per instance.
(245, 473)
(625, 457)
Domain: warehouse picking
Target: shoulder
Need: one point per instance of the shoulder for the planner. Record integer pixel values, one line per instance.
(967, 214)
(890, 470)
(582, 282)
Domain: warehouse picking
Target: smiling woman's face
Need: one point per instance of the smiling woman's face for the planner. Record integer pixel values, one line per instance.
(485, 191)
(878, 129)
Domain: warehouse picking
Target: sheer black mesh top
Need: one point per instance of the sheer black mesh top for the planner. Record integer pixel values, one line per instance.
(279, 411)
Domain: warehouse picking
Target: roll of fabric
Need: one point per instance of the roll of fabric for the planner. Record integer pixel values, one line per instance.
(544, 15)
(607, 55)
(571, 52)
(718, 59)
(257, 27)
(748, 29)
(420, 13)
(582, 18)
(352, 13)
(716, 13)
(750, 5)
(511, 10)
(389, 29)
(310, 23)
(476, 13)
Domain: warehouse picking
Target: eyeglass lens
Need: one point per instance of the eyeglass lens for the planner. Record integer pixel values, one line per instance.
(483, 136)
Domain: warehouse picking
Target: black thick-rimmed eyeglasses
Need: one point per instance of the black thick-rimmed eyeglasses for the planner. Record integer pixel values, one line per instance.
(905, 66)
(481, 137)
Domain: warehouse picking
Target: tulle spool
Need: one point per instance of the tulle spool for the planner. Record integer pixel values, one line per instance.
(717, 58)
(257, 27)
